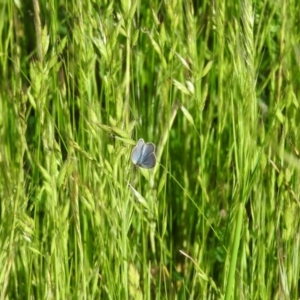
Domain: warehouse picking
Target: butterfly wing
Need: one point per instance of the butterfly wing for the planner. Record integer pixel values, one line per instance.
(148, 158)
(148, 148)
(136, 153)
(149, 162)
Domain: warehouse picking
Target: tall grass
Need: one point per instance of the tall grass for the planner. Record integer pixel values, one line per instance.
(214, 84)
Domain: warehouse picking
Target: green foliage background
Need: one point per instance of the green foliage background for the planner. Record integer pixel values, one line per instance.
(214, 84)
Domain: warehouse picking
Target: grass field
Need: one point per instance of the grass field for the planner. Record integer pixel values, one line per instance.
(215, 85)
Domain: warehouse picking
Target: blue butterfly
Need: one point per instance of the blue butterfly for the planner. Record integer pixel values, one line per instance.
(143, 155)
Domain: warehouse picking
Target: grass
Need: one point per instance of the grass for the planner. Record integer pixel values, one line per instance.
(215, 85)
